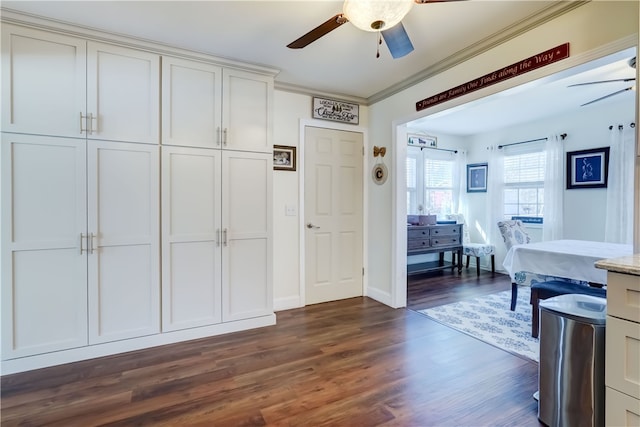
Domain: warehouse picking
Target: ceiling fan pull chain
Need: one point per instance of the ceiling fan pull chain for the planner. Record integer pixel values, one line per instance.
(379, 43)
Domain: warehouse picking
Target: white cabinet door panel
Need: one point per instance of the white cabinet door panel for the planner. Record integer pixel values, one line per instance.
(246, 115)
(43, 82)
(191, 237)
(247, 255)
(191, 103)
(123, 93)
(123, 216)
(43, 271)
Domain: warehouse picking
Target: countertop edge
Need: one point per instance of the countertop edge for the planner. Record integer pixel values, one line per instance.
(627, 264)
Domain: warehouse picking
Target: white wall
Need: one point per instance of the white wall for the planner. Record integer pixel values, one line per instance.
(289, 109)
(584, 209)
(588, 29)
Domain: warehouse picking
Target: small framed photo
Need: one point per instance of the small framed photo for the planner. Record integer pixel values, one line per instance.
(284, 158)
(422, 140)
(588, 168)
(477, 178)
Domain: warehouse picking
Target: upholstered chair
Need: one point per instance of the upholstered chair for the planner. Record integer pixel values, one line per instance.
(514, 233)
(475, 250)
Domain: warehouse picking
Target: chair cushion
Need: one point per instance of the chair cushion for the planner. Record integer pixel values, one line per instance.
(478, 249)
(554, 288)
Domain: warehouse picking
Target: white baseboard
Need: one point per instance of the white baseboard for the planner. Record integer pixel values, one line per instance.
(287, 303)
(378, 295)
(107, 349)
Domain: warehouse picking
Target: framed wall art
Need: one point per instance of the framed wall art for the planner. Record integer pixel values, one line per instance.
(284, 158)
(588, 168)
(477, 178)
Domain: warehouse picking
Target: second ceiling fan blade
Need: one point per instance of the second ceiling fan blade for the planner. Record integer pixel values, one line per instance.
(608, 96)
(603, 81)
(322, 29)
(397, 41)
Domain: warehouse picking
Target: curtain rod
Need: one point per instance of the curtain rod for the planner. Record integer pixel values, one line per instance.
(563, 136)
(433, 148)
(620, 127)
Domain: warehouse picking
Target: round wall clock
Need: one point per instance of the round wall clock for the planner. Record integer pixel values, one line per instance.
(379, 173)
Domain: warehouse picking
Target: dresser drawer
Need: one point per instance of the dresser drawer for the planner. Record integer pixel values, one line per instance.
(416, 244)
(621, 410)
(622, 370)
(444, 241)
(623, 296)
(417, 233)
(445, 230)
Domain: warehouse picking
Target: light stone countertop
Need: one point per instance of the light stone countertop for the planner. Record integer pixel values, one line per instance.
(626, 264)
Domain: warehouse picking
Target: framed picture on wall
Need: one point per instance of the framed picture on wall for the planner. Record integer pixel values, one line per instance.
(284, 158)
(477, 178)
(588, 168)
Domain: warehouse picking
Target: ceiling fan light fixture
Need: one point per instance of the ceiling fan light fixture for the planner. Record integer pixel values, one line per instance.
(376, 15)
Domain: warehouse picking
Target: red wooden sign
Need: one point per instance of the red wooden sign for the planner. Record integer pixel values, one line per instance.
(540, 60)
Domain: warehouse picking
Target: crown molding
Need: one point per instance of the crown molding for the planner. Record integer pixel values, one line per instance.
(302, 90)
(541, 17)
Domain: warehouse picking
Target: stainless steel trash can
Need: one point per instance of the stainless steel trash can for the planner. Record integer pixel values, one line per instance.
(571, 369)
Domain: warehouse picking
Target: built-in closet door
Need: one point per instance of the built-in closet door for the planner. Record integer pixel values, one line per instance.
(124, 247)
(43, 82)
(247, 241)
(44, 262)
(191, 238)
(191, 103)
(246, 116)
(123, 96)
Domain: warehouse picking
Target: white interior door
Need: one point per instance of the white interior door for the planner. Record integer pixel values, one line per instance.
(333, 214)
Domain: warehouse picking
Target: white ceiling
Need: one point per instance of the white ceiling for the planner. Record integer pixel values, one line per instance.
(343, 62)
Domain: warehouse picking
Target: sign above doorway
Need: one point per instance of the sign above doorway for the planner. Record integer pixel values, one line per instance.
(532, 63)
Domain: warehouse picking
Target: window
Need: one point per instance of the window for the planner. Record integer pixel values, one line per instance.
(430, 182)
(524, 182)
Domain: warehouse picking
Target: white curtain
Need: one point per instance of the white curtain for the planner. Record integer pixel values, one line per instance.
(495, 208)
(619, 213)
(459, 184)
(553, 189)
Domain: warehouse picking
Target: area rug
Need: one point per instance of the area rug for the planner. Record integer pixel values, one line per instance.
(489, 319)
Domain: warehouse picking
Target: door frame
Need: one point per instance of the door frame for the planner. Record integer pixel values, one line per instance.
(398, 154)
(304, 123)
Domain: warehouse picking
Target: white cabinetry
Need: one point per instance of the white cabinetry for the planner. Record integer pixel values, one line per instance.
(44, 274)
(216, 214)
(246, 221)
(85, 233)
(191, 237)
(622, 357)
(65, 86)
(79, 224)
(212, 107)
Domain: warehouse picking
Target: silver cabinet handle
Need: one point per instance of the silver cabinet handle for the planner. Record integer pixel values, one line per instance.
(81, 119)
(91, 245)
(91, 119)
(217, 237)
(224, 237)
(82, 249)
(224, 140)
(218, 135)
(310, 225)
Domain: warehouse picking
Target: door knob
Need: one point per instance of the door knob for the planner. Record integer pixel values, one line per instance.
(312, 226)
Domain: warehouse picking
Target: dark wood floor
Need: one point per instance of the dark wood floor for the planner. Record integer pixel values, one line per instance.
(354, 362)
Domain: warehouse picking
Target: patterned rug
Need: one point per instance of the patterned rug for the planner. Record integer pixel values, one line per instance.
(489, 319)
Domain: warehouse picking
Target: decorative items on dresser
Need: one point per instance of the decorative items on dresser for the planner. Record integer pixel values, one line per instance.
(97, 202)
(622, 348)
(430, 239)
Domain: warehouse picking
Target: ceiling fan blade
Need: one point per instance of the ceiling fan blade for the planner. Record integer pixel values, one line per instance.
(322, 29)
(608, 96)
(603, 81)
(397, 41)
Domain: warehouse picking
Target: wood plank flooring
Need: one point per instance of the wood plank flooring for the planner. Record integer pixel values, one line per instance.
(353, 362)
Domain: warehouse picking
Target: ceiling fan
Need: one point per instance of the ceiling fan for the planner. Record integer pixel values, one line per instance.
(384, 16)
(632, 64)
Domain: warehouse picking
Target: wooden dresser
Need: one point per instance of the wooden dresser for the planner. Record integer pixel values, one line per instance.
(428, 239)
